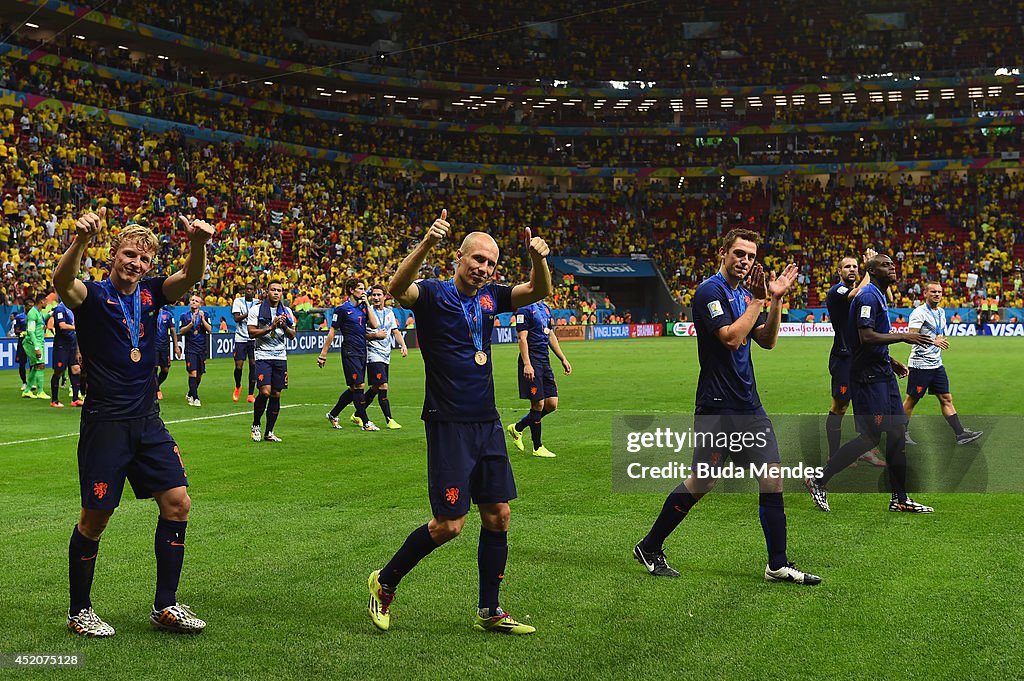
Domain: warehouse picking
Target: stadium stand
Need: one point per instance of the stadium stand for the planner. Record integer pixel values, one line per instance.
(316, 222)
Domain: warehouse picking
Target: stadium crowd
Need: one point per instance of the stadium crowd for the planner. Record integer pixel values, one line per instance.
(316, 226)
(594, 43)
(474, 147)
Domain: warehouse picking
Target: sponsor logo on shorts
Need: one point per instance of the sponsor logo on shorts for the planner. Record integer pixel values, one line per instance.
(842, 389)
(99, 489)
(878, 419)
(451, 495)
(533, 390)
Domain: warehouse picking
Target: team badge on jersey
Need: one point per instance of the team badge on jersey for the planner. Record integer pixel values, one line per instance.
(715, 308)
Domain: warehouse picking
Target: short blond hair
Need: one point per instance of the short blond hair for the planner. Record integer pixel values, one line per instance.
(138, 234)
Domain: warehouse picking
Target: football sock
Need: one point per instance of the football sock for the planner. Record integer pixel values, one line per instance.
(82, 553)
(76, 385)
(524, 422)
(169, 546)
(359, 400)
(252, 378)
(833, 431)
(385, 404)
(491, 556)
(370, 394)
(192, 385)
(896, 463)
(238, 378)
(417, 546)
(164, 373)
(273, 409)
(54, 387)
(35, 379)
(773, 522)
(21, 372)
(843, 457)
(954, 422)
(535, 417)
(343, 401)
(258, 407)
(675, 508)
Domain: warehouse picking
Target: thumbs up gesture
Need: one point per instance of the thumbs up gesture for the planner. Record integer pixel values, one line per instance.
(91, 224)
(439, 230)
(536, 246)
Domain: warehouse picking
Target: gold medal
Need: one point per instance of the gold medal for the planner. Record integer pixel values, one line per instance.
(135, 354)
(480, 357)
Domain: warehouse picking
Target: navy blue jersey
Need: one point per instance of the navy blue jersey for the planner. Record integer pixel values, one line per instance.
(350, 321)
(164, 323)
(62, 315)
(726, 378)
(535, 319)
(838, 303)
(870, 362)
(118, 387)
(195, 339)
(457, 388)
(20, 324)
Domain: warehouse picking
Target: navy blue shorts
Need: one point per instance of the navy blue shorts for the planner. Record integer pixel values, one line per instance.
(542, 385)
(878, 407)
(839, 368)
(464, 461)
(377, 372)
(272, 372)
(139, 450)
(63, 357)
(745, 436)
(354, 367)
(19, 355)
(244, 351)
(163, 356)
(935, 381)
(196, 362)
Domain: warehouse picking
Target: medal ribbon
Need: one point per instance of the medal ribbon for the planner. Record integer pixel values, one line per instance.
(133, 321)
(471, 312)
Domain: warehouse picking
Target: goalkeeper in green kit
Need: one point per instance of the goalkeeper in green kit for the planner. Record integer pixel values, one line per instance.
(34, 344)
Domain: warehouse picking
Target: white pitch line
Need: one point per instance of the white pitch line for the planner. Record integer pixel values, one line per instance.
(324, 404)
(196, 418)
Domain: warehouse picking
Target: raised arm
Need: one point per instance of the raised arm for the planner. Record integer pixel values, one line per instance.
(371, 317)
(768, 334)
(402, 286)
(65, 276)
(539, 286)
(191, 273)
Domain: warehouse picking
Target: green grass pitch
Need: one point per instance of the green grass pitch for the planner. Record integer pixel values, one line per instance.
(282, 537)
